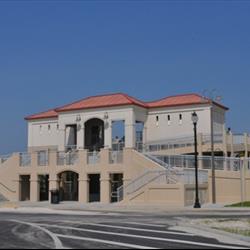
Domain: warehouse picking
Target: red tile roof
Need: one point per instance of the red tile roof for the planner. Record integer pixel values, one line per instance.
(44, 115)
(120, 99)
(178, 100)
(102, 101)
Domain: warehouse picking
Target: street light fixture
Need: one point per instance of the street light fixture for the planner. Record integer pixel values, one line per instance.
(195, 120)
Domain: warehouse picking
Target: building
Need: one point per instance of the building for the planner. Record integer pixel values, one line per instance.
(114, 148)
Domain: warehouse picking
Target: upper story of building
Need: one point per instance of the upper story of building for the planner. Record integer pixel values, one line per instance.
(103, 121)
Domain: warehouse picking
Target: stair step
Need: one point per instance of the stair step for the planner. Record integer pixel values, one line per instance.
(2, 198)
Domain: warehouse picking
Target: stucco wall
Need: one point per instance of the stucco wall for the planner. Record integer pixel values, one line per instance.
(43, 133)
(165, 129)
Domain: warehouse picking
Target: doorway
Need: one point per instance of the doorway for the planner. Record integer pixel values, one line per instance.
(25, 188)
(68, 186)
(43, 187)
(94, 134)
(116, 181)
(94, 188)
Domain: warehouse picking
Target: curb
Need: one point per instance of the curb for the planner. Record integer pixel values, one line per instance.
(222, 236)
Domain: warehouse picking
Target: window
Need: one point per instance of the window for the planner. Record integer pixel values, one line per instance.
(49, 128)
(169, 119)
(157, 120)
(40, 129)
(180, 119)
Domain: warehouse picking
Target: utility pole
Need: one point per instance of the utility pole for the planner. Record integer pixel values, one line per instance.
(211, 101)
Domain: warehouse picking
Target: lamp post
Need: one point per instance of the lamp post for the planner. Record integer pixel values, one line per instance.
(195, 121)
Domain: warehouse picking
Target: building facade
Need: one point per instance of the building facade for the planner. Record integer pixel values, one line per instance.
(116, 148)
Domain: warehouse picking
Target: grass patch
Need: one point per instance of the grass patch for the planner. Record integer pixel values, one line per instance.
(235, 231)
(241, 204)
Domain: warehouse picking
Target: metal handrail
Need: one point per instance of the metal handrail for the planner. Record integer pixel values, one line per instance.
(4, 158)
(1, 184)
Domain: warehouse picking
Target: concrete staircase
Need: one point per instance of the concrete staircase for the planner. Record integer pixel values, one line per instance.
(2, 198)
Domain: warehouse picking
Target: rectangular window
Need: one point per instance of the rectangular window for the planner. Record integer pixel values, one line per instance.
(157, 120)
(169, 120)
(180, 119)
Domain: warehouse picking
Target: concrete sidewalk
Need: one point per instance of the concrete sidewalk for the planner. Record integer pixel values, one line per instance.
(118, 208)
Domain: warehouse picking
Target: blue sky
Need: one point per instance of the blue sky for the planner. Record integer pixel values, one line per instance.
(56, 52)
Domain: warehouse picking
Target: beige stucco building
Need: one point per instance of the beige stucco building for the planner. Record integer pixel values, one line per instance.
(115, 148)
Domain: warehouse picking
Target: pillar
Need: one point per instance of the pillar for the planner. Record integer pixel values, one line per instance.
(80, 136)
(130, 135)
(83, 189)
(34, 189)
(61, 138)
(108, 134)
(105, 188)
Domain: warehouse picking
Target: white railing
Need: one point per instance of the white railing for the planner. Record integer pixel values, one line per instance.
(24, 159)
(188, 176)
(178, 142)
(70, 148)
(204, 162)
(4, 158)
(42, 158)
(238, 139)
(118, 146)
(93, 158)
(140, 182)
(69, 158)
(115, 157)
(169, 175)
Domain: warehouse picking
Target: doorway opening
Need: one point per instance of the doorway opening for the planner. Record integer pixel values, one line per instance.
(139, 127)
(43, 187)
(25, 188)
(94, 134)
(116, 181)
(71, 137)
(118, 135)
(68, 186)
(94, 188)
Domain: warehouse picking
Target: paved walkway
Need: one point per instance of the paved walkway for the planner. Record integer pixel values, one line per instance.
(102, 231)
(144, 208)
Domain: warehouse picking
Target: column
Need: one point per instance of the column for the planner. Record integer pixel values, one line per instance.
(61, 138)
(105, 188)
(80, 136)
(34, 188)
(130, 136)
(108, 134)
(83, 189)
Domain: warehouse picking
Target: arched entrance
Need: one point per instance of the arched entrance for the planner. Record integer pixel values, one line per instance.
(68, 186)
(94, 134)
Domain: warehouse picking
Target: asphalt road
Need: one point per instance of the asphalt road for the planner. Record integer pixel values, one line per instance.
(98, 231)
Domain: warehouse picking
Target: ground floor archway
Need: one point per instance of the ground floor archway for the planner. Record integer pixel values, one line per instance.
(68, 186)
